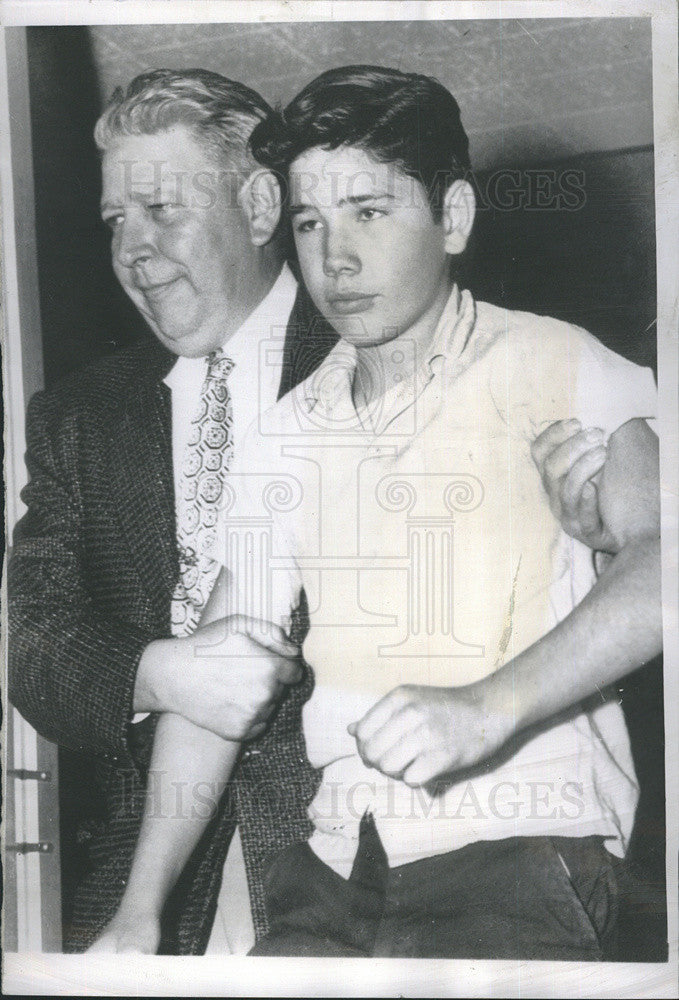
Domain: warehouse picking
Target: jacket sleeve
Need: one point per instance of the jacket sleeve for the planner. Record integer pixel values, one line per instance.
(71, 669)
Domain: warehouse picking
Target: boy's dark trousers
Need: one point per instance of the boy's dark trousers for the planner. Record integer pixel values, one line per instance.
(522, 898)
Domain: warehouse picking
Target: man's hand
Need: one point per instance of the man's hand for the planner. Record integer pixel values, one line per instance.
(418, 733)
(569, 460)
(129, 932)
(226, 677)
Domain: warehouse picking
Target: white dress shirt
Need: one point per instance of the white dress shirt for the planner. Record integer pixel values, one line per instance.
(256, 349)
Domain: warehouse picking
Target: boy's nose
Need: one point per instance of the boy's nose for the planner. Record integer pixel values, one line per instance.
(339, 256)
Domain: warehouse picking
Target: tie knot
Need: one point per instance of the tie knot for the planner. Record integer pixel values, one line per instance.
(219, 365)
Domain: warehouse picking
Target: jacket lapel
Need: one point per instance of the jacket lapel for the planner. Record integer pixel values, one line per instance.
(309, 338)
(142, 477)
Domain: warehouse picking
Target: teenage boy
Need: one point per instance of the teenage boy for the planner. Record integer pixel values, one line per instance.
(470, 804)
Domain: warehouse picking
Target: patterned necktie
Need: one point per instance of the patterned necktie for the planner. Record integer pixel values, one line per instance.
(206, 461)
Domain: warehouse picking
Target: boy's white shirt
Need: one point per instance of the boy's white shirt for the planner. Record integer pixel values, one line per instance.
(439, 470)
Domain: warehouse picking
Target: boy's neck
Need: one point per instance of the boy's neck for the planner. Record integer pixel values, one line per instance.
(381, 366)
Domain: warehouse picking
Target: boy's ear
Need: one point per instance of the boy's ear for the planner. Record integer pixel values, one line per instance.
(260, 200)
(459, 208)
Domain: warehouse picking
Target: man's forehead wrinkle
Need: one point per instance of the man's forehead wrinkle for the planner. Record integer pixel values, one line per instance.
(149, 168)
(140, 187)
(137, 193)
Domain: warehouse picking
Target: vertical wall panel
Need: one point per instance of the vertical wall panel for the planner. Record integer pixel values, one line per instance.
(32, 881)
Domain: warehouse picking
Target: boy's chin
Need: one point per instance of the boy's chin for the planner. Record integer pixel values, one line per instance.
(365, 338)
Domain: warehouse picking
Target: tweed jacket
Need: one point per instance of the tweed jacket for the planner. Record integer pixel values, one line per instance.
(90, 580)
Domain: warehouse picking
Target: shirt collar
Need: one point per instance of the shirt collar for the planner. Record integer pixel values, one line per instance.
(243, 346)
(334, 378)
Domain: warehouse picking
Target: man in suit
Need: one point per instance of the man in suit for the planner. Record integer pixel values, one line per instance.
(102, 629)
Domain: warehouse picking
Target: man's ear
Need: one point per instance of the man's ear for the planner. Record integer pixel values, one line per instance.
(459, 208)
(260, 200)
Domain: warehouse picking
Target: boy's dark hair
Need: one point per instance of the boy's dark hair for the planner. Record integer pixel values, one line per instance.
(407, 119)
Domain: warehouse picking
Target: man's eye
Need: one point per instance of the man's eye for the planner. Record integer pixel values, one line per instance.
(162, 209)
(112, 221)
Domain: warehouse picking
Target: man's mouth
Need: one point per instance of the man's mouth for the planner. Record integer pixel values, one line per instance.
(348, 303)
(155, 291)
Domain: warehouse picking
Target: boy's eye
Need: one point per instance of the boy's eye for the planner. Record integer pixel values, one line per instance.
(306, 225)
(368, 214)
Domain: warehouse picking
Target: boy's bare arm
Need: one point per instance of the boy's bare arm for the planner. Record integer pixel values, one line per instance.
(418, 733)
(189, 770)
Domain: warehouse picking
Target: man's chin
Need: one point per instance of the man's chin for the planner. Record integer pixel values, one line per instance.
(180, 341)
(184, 347)
(185, 344)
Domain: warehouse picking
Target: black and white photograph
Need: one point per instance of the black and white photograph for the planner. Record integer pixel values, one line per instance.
(340, 609)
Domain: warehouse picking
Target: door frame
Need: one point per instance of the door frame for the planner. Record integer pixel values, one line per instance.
(31, 843)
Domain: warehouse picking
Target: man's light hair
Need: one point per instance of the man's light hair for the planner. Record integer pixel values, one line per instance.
(221, 113)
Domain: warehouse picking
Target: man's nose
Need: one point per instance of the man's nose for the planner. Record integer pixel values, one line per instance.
(135, 240)
(339, 255)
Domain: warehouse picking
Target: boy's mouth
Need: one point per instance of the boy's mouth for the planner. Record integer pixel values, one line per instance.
(348, 303)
